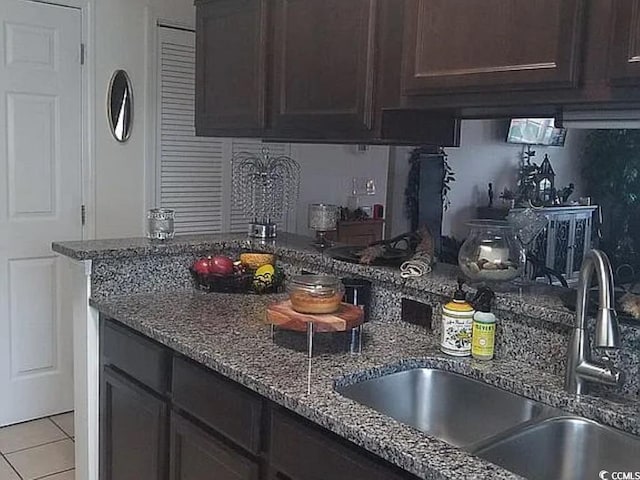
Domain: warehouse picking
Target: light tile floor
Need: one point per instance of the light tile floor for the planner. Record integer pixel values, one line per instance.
(40, 449)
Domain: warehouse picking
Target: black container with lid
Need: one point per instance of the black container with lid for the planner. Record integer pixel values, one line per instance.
(358, 292)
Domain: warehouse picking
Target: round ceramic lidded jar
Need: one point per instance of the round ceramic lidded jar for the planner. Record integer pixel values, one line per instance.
(315, 294)
(491, 252)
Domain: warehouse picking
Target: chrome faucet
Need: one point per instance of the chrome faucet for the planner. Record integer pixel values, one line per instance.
(580, 368)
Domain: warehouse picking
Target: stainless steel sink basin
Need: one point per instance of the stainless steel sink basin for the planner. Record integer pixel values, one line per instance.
(521, 435)
(565, 448)
(453, 408)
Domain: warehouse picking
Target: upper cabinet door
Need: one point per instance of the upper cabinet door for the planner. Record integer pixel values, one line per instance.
(624, 55)
(324, 55)
(454, 45)
(231, 43)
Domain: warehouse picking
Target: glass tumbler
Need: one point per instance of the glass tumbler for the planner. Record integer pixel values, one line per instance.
(160, 223)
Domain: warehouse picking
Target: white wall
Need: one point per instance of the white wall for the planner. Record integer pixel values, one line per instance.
(483, 157)
(121, 42)
(326, 173)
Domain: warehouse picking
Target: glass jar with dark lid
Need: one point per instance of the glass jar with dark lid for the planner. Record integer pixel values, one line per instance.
(315, 294)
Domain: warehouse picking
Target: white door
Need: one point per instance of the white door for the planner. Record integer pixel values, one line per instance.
(40, 201)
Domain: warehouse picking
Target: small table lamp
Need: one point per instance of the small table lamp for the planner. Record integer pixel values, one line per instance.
(323, 218)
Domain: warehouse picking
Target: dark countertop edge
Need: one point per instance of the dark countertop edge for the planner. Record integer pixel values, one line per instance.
(544, 384)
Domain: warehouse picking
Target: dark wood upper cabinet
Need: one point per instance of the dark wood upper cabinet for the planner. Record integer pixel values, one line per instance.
(624, 55)
(406, 71)
(231, 76)
(324, 67)
(453, 45)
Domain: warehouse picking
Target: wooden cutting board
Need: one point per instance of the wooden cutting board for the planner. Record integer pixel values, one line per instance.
(284, 316)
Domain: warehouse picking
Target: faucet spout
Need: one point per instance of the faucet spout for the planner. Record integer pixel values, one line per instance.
(580, 368)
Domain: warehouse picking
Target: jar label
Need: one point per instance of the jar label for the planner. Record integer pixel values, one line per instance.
(456, 335)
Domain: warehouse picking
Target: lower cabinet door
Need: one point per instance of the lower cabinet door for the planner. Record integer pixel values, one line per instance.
(134, 440)
(196, 455)
(300, 451)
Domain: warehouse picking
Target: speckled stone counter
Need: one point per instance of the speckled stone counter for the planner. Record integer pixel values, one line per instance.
(539, 301)
(226, 333)
(533, 324)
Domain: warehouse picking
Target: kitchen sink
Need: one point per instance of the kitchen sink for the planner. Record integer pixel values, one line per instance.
(459, 410)
(526, 437)
(565, 448)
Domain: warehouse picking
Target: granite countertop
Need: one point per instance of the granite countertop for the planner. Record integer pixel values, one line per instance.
(226, 333)
(539, 301)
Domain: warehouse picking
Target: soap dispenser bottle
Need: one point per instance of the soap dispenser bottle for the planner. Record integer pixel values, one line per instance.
(457, 321)
(484, 325)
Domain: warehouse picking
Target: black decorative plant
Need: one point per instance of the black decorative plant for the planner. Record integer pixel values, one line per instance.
(412, 191)
(611, 170)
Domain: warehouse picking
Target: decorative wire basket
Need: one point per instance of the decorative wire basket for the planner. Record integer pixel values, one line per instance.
(247, 282)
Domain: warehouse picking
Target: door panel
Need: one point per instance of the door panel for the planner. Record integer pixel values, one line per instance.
(133, 431)
(490, 45)
(624, 55)
(32, 317)
(31, 158)
(195, 454)
(40, 181)
(324, 66)
(230, 67)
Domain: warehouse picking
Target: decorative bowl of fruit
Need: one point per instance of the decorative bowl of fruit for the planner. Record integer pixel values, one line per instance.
(253, 273)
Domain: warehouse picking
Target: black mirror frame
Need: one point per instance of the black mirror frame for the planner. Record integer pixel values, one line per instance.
(112, 126)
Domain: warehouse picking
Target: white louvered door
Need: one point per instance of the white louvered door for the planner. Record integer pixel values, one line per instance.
(194, 173)
(190, 168)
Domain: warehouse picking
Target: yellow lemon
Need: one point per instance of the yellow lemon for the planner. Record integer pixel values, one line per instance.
(263, 277)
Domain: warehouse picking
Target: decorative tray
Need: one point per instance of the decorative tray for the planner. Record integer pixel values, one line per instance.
(390, 257)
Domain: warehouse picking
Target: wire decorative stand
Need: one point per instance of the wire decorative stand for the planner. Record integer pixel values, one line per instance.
(264, 187)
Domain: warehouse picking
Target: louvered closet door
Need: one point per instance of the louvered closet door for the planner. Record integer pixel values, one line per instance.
(239, 221)
(190, 169)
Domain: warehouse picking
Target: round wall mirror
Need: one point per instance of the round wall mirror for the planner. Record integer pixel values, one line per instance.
(120, 106)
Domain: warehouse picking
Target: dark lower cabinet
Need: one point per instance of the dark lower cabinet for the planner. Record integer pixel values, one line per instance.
(196, 455)
(133, 430)
(205, 426)
(300, 451)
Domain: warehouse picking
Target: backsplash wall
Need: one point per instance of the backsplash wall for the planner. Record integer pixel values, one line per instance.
(483, 157)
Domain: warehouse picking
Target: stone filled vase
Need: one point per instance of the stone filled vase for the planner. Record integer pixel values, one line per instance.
(491, 252)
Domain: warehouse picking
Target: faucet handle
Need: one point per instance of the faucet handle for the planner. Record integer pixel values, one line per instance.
(607, 362)
(617, 376)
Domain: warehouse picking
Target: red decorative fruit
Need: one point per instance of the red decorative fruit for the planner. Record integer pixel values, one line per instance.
(221, 265)
(202, 266)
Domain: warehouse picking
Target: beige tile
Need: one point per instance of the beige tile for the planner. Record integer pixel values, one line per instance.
(68, 475)
(65, 422)
(6, 472)
(44, 460)
(27, 435)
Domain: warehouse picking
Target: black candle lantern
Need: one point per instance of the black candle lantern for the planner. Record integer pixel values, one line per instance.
(544, 182)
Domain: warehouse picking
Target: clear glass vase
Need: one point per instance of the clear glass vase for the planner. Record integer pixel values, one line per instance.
(491, 252)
